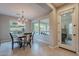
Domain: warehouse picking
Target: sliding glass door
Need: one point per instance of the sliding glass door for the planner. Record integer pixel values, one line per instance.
(41, 29)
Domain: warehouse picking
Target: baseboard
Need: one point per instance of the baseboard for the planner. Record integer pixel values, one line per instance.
(3, 41)
(51, 46)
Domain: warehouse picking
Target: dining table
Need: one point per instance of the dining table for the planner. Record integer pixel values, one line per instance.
(23, 39)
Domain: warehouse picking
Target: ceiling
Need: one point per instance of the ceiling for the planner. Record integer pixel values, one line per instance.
(57, 5)
(46, 20)
(31, 10)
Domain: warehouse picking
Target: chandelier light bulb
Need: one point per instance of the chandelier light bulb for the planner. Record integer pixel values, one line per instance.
(22, 19)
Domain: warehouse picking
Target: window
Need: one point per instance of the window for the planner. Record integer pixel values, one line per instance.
(16, 28)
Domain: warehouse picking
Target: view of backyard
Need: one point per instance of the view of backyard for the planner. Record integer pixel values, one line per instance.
(16, 28)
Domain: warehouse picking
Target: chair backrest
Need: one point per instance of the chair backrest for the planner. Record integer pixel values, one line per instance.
(11, 37)
(29, 37)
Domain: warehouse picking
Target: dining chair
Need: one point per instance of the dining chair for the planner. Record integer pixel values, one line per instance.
(32, 36)
(14, 41)
(29, 39)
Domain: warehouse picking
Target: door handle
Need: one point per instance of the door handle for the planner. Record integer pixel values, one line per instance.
(74, 34)
(74, 25)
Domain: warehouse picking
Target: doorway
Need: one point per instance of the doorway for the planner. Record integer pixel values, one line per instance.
(66, 29)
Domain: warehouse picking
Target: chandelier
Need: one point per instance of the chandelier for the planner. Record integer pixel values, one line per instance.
(21, 18)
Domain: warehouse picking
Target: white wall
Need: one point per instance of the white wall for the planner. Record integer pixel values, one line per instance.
(28, 26)
(53, 27)
(4, 27)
